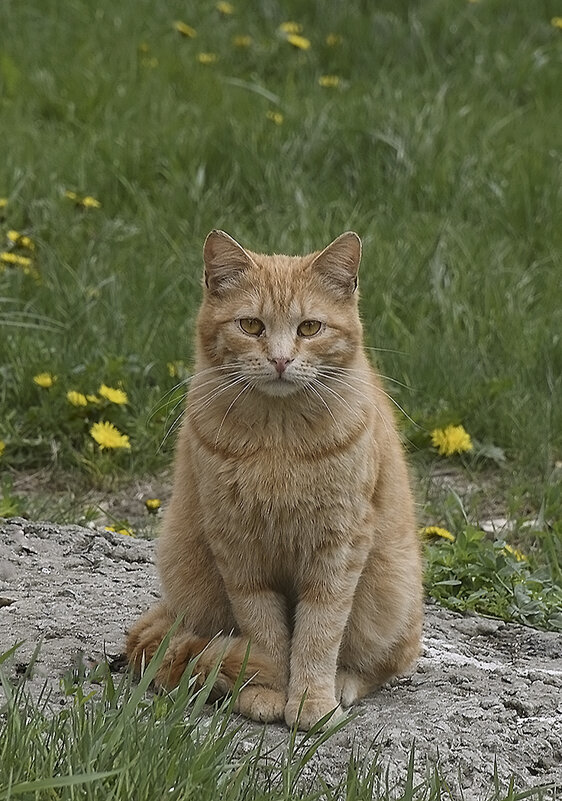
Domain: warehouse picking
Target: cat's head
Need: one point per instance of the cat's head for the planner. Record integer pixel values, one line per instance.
(281, 323)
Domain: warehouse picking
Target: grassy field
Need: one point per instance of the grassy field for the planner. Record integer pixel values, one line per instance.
(431, 128)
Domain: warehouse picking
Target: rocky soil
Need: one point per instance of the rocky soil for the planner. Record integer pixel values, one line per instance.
(483, 691)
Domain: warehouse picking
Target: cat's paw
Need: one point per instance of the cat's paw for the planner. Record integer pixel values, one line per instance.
(308, 712)
(263, 704)
(349, 687)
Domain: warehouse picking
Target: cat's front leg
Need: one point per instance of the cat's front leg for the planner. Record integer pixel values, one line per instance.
(261, 614)
(321, 614)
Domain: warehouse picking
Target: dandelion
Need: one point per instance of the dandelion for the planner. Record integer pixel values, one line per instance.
(185, 30)
(113, 395)
(153, 504)
(300, 42)
(242, 41)
(206, 58)
(44, 380)
(556, 22)
(333, 39)
(290, 27)
(519, 555)
(3, 202)
(450, 440)
(437, 531)
(108, 436)
(85, 202)
(126, 532)
(329, 81)
(93, 399)
(275, 116)
(20, 240)
(76, 398)
(225, 8)
(2, 447)
(16, 259)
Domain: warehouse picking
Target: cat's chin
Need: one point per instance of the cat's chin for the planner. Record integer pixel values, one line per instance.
(278, 388)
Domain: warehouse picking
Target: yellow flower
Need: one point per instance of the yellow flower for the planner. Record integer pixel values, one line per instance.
(76, 398)
(225, 8)
(242, 41)
(44, 380)
(556, 22)
(2, 447)
(15, 258)
(126, 532)
(3, 202)
(329, 81)
(451, 439)
(89, 202)
(437, 531)
(20, 240)
(275, 116)
(185, 30)
(300, 42)
(113, 395)
(108, 436)
(93, 399)
(519, 555)
(333, 39)
(290, 27)
(206, 58)
(153, 504)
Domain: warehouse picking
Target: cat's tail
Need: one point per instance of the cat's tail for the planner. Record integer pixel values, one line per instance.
(232, 653)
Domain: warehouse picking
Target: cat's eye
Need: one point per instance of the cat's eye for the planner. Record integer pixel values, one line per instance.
(251, 325)
(308, 328)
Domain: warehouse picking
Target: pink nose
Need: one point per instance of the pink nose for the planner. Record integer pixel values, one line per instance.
(280, 364)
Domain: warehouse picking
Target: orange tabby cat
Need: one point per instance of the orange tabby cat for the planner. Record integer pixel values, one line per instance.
(291, 525)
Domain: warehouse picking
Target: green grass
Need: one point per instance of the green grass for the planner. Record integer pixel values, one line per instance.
(112, 741)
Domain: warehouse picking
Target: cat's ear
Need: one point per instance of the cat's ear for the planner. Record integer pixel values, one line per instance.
(225, 260)
(338, 264)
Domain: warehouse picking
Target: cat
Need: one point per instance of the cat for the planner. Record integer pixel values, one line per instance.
(290, 538)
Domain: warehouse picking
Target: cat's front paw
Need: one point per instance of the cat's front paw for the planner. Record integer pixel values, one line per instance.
(263, 704)
(308, 712)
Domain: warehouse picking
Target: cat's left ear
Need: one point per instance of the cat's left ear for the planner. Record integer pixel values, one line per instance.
(224, 260)
(338, 264)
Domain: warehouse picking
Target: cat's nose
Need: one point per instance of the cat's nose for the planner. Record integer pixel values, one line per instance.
(280, 364)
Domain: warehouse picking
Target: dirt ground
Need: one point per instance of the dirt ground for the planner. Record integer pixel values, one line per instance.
(483, 691)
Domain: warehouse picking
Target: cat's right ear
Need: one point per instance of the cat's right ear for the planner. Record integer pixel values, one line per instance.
(225, 260)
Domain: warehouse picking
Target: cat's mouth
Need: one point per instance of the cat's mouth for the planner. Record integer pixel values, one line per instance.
(280, 386)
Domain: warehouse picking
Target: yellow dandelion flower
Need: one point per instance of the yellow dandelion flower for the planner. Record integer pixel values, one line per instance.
(185, 30)
(300, 42)
(333, 39)
(225, 8)
(206, 58)
(2, 447)
(290, 27)
(519, 555)
(450, 440)
(76, 398)
(437, 531)
(108, 436)
(71, 195)
(126, 532)
(93, 399)
(275, 116)
(89, 202)
(329, 81)
(45, 380)
(556, 22)
(3, 202)
(242, 41)
(153, 504)
(15, 258)
(113, 395)
(20, 240)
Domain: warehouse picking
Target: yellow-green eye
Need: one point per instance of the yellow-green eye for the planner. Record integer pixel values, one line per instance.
(309, 327)
(250, 325)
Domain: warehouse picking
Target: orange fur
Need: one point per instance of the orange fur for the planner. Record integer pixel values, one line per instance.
(291, 525)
